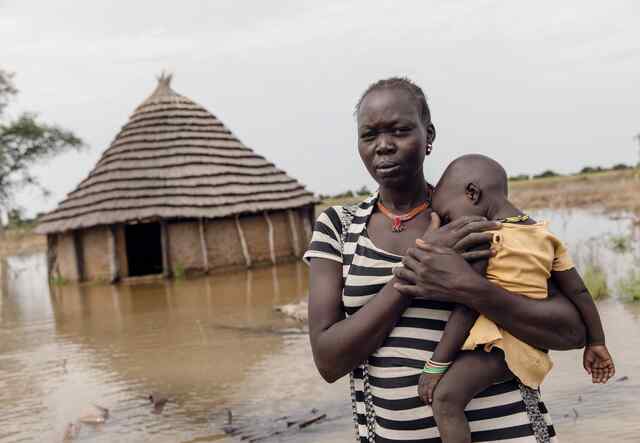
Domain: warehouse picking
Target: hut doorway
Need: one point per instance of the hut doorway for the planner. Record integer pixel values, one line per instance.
(144, 248)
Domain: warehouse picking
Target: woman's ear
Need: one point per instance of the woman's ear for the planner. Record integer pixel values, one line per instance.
(431, 133)
(473, 193)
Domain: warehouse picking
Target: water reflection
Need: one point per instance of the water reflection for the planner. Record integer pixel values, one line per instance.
(215, 344)
(112, 345)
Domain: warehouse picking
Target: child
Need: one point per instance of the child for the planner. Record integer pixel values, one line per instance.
(527, 255)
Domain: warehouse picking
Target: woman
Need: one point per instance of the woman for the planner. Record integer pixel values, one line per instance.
(377, 320)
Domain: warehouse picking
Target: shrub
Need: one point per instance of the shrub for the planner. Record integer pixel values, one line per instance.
(521, 177)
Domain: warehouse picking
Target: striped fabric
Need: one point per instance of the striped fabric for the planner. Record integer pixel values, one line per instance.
(506, 412)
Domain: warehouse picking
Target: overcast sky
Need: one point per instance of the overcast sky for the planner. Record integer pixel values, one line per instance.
(536, 85)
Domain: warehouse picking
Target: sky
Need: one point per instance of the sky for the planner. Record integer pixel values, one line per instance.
(536, 85)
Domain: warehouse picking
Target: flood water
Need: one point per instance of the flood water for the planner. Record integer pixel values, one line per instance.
(218, 350)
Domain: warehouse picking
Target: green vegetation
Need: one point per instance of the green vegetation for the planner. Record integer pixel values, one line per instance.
(629, 286)
(58, 280)
(25, 142)
(546, 174)
(620, 243)
(179, 271)
(596, 280)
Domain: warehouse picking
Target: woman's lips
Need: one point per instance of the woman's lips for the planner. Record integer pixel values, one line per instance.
(385, 169)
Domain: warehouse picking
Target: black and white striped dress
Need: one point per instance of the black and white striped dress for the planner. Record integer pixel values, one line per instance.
(384, 390)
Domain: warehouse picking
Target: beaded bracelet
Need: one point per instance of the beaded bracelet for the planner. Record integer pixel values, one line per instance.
(434, 367)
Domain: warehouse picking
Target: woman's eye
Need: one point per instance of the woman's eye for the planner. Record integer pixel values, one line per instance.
(401, 131)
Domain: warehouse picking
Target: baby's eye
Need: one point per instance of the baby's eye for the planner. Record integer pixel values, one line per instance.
(368, 135)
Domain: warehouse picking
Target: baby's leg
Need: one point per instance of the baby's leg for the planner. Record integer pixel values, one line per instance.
(470, 374)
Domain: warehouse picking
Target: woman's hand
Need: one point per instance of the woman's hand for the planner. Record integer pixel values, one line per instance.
(463, 235)
(435, 267)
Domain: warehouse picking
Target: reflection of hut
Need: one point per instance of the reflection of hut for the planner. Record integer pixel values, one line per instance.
(176, 191)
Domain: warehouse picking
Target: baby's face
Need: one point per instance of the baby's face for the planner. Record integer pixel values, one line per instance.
(451, 204)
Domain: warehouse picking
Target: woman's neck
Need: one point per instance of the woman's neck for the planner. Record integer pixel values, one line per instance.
(403, 200)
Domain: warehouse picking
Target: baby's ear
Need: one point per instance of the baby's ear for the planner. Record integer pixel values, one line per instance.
(473, 193)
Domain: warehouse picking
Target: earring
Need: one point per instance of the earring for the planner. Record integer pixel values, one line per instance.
(429, 148)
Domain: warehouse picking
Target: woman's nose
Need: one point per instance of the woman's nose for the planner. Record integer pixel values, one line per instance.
(385, 145)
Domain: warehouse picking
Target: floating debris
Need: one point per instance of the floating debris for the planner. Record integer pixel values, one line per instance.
(158, 401)
(297, 311)
(94, 415)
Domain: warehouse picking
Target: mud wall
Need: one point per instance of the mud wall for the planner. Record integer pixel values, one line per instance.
(96, 253)
(185, 251)
(65, 257)
(222, 244)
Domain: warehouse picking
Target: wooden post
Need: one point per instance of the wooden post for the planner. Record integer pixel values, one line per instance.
(272, 246)
(243, 242)
(308, 221)
(113, 255)
(4, 284)
(164, 239)
(294, 233)
(78, 255)
(203, 245)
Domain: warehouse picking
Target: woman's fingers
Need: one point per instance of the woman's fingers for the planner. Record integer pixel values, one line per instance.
(483, 254)
(461, 222)
(410, 262)
(435, 222)
(409, 290)
(406, 275)
(476, 226)
(473, 240)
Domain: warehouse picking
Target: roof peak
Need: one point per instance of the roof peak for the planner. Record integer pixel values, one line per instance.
(163, 89)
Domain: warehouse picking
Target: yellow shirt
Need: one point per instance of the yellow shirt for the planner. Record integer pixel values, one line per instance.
(525, 257)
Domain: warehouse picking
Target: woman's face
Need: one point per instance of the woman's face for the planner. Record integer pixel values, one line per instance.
(392, 139)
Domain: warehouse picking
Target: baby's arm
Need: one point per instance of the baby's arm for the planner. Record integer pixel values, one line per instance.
(455, 333)
(597, 360)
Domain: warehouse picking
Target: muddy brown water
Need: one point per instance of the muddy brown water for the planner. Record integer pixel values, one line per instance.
(216, 347)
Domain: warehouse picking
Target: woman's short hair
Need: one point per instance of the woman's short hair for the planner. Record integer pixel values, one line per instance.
(400, 83)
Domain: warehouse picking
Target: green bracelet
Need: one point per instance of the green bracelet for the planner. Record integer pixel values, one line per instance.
(434, 370)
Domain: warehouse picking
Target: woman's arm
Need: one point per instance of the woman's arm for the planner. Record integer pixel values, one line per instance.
(439, 273)
(340, 344)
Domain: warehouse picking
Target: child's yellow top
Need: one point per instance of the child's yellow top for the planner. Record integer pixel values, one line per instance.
(525, 257)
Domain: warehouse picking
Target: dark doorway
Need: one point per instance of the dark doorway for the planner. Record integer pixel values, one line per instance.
(144, 248)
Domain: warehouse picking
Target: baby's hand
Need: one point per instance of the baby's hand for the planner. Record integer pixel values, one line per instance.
(598, 363)
(427, 385)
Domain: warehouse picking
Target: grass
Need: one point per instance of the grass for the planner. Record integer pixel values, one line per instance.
(595, 280)
(613, 191)
(58, 280)
(629, 286)
(179, 271)
(620, 243)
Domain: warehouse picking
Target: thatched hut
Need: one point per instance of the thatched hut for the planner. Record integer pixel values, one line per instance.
(176, 191)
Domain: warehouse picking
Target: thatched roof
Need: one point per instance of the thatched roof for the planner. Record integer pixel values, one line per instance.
(174, 159)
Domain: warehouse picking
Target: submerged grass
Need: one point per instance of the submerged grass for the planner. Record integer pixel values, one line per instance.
(620, 243)
(629, 286)
(595, 280)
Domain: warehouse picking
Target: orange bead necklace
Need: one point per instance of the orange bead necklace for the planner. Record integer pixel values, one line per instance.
(398, 220)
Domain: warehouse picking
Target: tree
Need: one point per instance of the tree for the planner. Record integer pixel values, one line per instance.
(24, 142)
(546, 174)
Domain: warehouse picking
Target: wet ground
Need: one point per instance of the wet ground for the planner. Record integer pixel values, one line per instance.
(215, 347)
